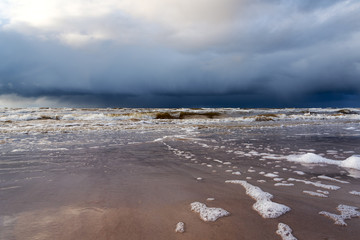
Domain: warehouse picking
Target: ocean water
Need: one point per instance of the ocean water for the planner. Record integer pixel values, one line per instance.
(134, 173)
(25, 120)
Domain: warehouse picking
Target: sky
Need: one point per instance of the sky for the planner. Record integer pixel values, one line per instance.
(180, 53)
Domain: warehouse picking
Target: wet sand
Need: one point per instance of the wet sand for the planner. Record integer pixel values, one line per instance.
(139, 185)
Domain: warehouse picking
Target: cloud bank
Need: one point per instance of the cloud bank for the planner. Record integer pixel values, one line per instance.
(173, 53)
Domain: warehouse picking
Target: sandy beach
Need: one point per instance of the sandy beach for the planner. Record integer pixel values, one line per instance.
(138, 183)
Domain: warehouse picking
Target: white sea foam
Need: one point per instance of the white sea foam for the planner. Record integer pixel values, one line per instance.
(208, 214)
(310, 158)
(316, 184)
(239, 152)
(283, 184)
(352, 162)
(285, 232)
(346, 212)
(253, 153)
(323, 192)
(8, 188)
(315, 194)
(60, 149)
(332, 179)
(19, 150)
(180, 227)
(264, 206)
(355, 193)
(271, 175)
(299, 172)
(307, 150)
(272, 156)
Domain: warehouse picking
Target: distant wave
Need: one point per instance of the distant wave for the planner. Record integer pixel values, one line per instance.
(73, 119)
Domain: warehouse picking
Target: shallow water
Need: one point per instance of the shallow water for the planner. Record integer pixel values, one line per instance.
(98, 178)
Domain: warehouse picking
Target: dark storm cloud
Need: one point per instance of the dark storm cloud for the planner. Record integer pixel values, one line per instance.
(272, 53)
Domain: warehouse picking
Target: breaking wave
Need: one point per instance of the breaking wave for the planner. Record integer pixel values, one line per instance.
(55, 119)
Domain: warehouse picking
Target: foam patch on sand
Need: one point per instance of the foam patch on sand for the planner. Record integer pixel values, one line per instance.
(352, 162)
(347, 212)
(208, 214)
(278, 179)
(315, 194)
(331, 179)
(323, 192)
(271, 175)
(316, 184)
(355, 193)
(285, 232)
(180, 227)
(264, 206)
